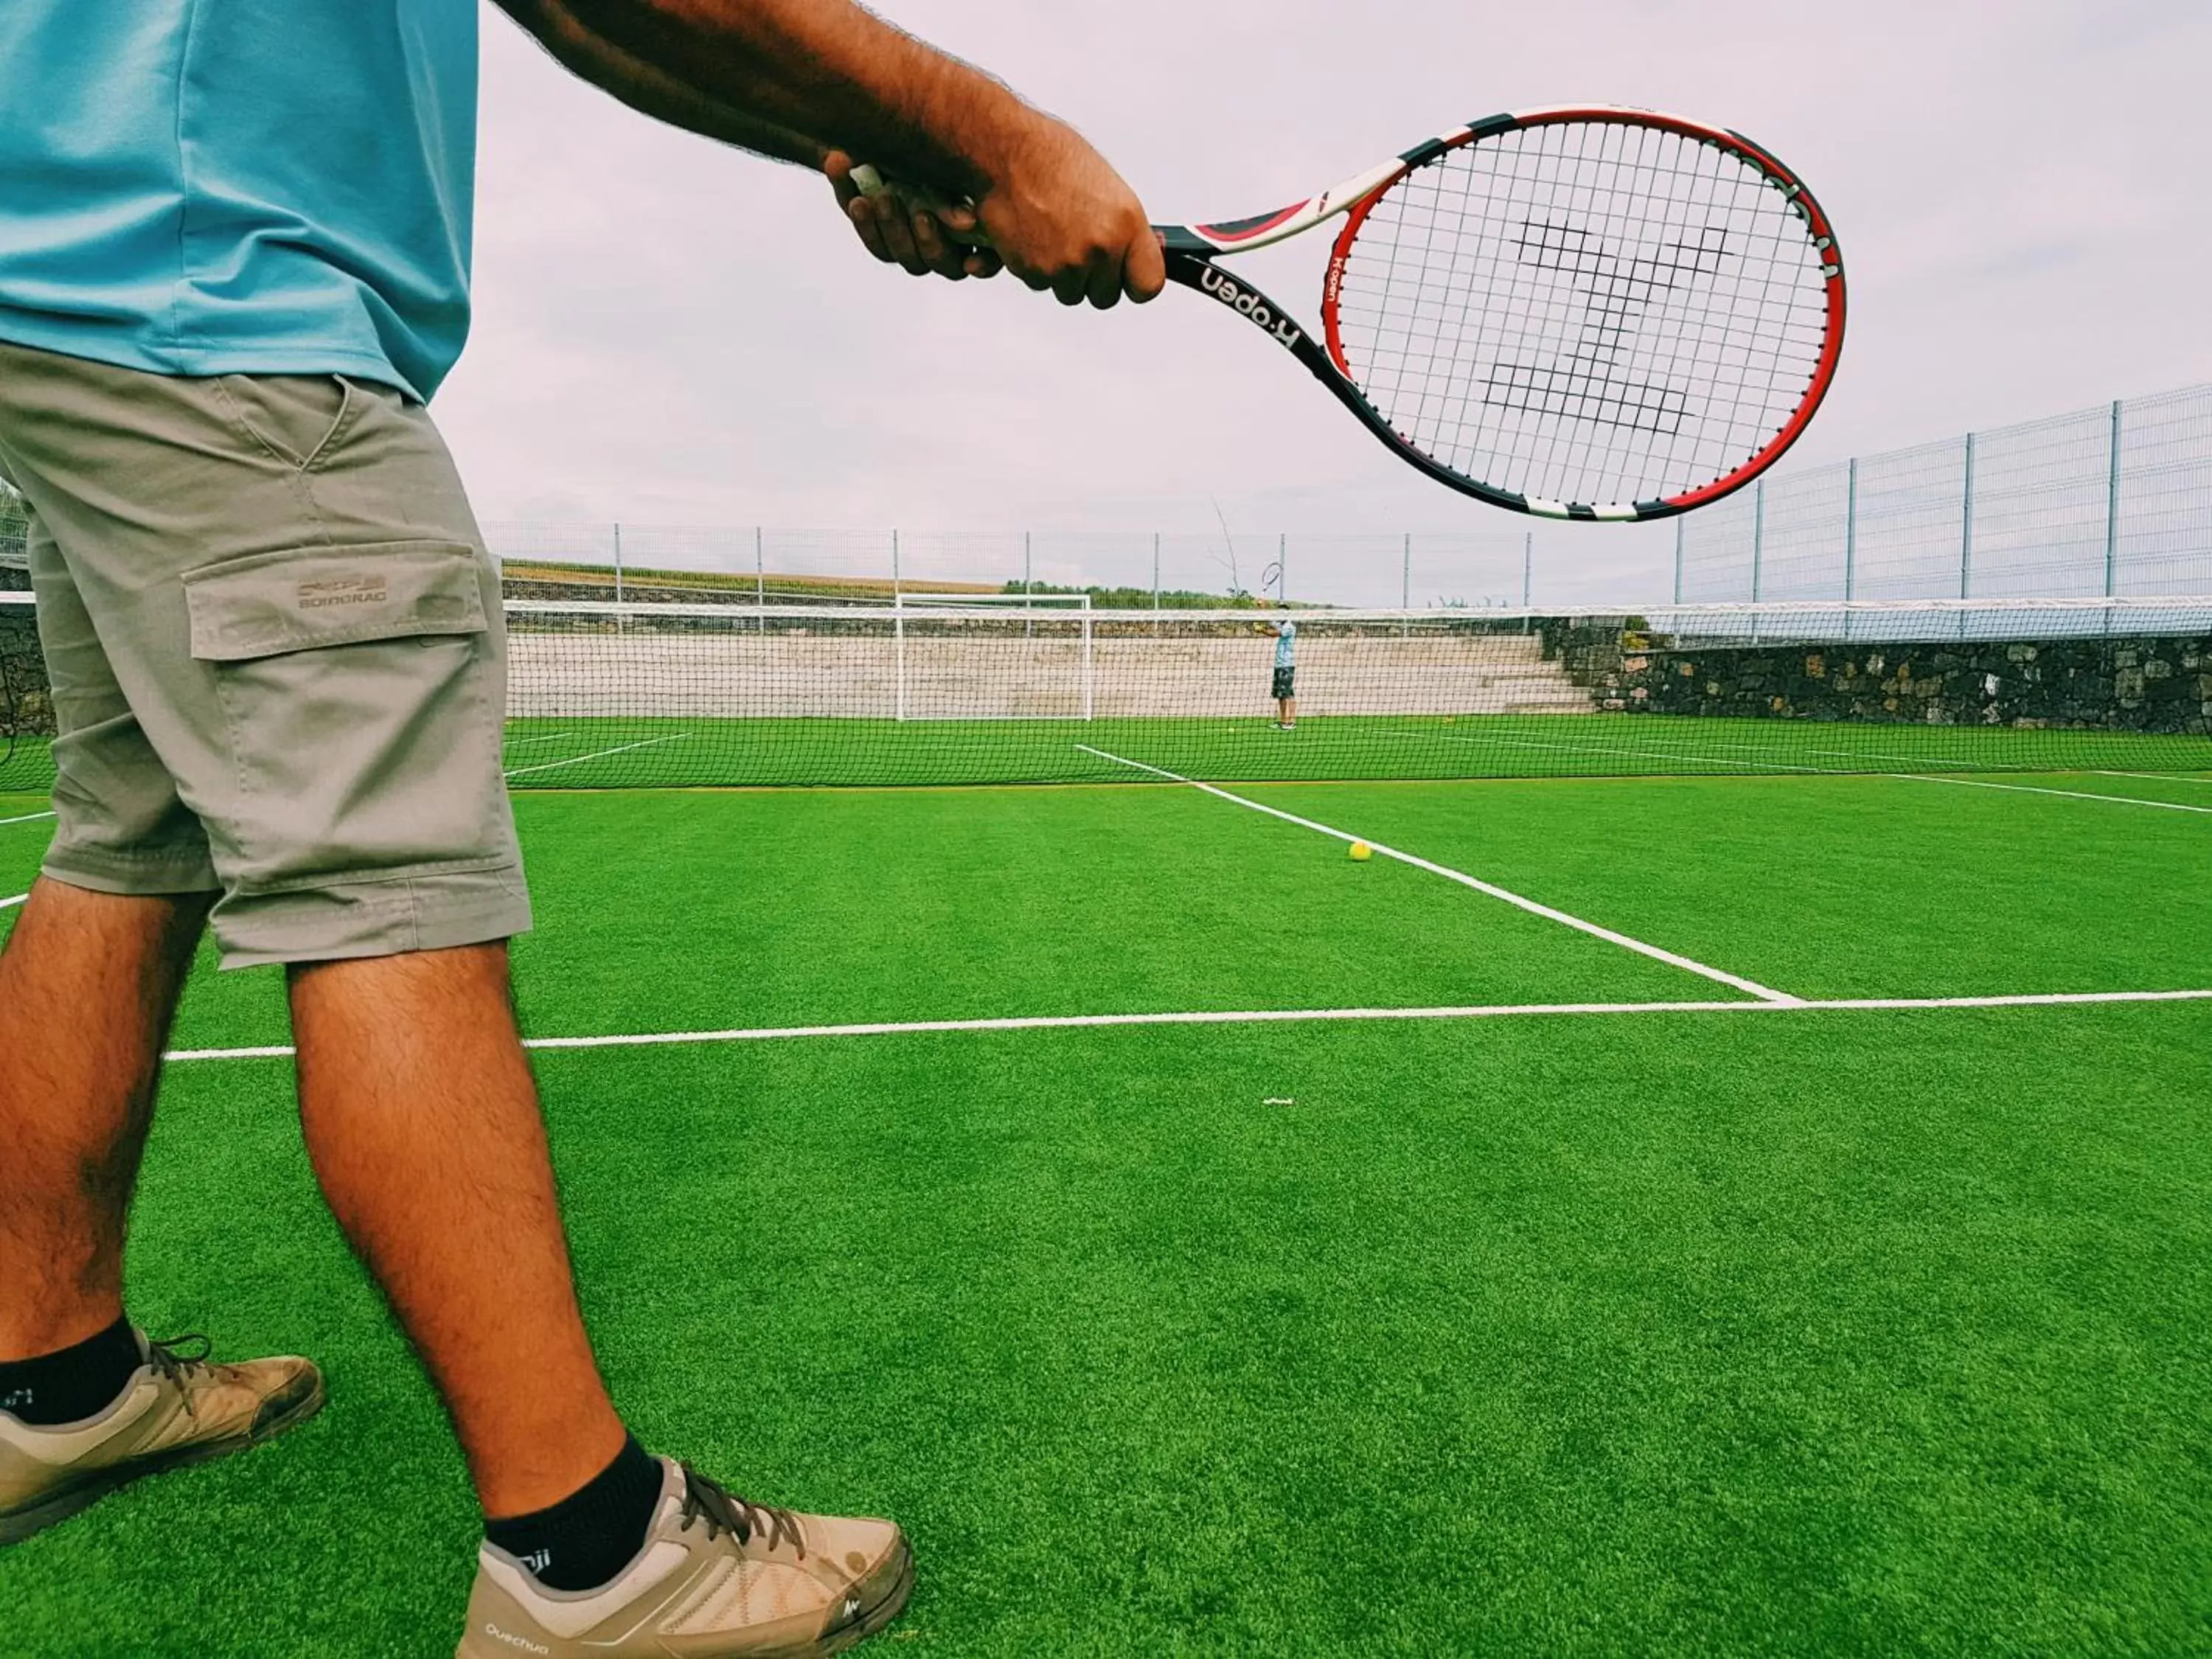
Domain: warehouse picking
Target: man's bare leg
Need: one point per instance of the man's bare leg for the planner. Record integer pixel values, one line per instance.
(422, 1124)
(89, 984)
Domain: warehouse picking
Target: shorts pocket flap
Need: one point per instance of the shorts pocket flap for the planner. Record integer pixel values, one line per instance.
(304, 598)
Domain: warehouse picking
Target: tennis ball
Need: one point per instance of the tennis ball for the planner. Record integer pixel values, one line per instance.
(1362, 851)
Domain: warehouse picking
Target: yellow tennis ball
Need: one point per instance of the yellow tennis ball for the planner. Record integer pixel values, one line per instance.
(1362, 851)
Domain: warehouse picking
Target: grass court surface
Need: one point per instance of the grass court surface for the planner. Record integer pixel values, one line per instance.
(1754, 1327)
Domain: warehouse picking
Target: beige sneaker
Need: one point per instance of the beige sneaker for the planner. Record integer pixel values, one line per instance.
(718, 1577)
(179, 1408)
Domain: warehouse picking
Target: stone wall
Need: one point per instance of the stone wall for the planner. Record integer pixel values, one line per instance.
(2159, 685)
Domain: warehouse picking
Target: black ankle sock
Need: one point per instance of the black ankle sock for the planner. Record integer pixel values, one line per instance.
(589, 1536)
(74, 1383)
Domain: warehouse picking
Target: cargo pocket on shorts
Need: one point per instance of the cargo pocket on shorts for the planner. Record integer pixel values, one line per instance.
(360, 690)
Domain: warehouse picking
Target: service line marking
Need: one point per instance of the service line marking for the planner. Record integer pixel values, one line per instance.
(1766, 993)
(27, 817)
(597, 754)
(1297, 1017)
(10, 904)
(2041, 789)
(543, 736)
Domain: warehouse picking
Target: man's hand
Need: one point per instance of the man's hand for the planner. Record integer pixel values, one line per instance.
(939, 237)
(1063, 220)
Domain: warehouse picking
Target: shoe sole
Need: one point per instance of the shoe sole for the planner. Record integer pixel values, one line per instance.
(874, 1619)
(20, 1525)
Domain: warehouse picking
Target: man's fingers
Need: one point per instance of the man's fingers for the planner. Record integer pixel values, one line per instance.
(897, 227)
(1146, 272)
(837, 168)
(983, 262)
(862, 213)
(1104, 288)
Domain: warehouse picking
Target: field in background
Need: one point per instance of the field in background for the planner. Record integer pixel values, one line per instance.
(1619, 1302)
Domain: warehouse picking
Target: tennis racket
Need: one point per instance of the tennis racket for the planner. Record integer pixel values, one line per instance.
(1581, 312)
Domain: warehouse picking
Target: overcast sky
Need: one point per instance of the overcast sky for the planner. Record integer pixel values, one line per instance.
(669, 331)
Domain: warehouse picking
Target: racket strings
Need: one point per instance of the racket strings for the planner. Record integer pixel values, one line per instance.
(1588, 312)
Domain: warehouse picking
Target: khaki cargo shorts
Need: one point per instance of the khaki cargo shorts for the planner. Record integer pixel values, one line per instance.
(278, 669)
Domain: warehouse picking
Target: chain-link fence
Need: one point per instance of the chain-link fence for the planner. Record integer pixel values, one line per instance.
(2114, 501)
(1130, 569)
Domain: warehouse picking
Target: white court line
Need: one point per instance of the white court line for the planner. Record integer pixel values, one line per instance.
(2154, 777)
(1767, 993)
(543, 736)
(1653, 754)
(2039, 789)
(10, 904)
(597, 754)
(27, 817)
(1299, 1016)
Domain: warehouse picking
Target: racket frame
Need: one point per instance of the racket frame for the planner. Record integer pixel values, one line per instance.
(1191, 251)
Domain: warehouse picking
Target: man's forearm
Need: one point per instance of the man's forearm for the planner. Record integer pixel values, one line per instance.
(651, 92)
(792, 76)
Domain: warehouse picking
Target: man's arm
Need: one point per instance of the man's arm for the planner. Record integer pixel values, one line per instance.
(801, 79)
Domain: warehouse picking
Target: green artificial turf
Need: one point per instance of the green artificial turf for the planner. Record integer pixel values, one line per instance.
(1729, 1332)
(710, 752)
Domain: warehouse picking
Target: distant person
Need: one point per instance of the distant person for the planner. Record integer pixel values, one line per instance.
(1283, 688)
(234, 266)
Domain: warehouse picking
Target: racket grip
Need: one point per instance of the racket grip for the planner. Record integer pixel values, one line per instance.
(871, 183)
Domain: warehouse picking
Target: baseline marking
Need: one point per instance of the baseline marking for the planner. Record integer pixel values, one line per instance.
(597, 754)
(27, 817)
(10, 904)
(1766, 993)
(1299, 1016)
(2039, 789)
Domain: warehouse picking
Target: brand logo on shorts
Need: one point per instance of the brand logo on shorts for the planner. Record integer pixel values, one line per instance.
(10, 1402)
(514, 1641)
(344, 590)
(537, 1561)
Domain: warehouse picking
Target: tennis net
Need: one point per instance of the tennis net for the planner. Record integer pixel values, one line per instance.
(719, 695)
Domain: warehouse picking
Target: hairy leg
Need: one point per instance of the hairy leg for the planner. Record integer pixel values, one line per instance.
(88, 983)
(421, 1121)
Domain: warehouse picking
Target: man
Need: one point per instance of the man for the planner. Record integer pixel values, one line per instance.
(233, 260)
(1284, 688)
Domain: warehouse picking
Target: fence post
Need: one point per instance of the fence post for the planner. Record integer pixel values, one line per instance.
(1029, 590)
(1757, 542)
(1681, 522)
(1155, 583)
(1966, 529)
(1528, 568)
(1282, 566)
(895, 570)
(618, 585)
(1406, 585)
(1851, 534)
(2112, 512)
(760, 579)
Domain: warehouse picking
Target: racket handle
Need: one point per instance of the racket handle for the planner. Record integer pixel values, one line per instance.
(871, 183)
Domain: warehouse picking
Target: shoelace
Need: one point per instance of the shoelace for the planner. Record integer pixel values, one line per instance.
(724, 1512)
(168, 1356)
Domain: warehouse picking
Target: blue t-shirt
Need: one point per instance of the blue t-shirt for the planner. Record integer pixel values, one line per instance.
(239, 186)
(1286, 644)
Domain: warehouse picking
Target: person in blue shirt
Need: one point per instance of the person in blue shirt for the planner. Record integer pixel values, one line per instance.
(235, 249)
(1284, 687)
